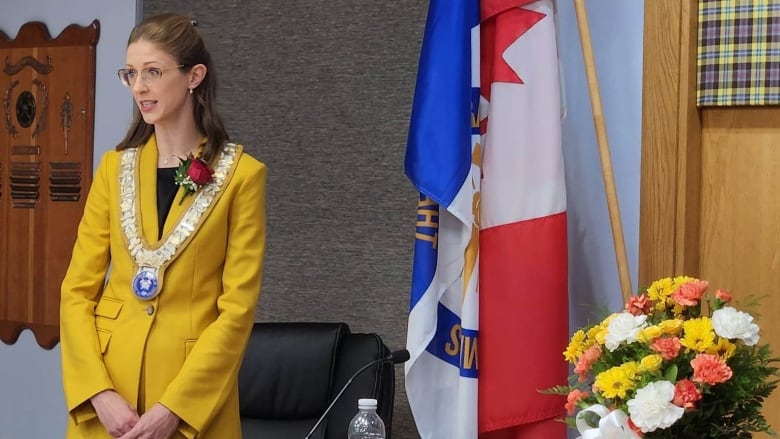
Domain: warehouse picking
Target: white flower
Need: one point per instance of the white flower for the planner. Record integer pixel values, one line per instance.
(730, 323)
(624, 327)
(652, 407)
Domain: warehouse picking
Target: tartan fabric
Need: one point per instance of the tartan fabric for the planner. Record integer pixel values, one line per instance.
(738, 55)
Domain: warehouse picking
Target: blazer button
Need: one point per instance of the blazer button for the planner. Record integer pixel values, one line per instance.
(150, 310)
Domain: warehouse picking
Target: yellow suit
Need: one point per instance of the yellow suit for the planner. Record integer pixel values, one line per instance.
(184, 347)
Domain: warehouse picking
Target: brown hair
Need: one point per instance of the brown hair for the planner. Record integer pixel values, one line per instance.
(176, 35)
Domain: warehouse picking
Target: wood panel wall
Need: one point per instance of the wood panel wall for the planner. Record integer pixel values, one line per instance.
(708, 203)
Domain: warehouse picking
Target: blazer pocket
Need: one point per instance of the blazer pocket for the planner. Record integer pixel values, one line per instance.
(103, 337)
(108, 307)
(188, 345)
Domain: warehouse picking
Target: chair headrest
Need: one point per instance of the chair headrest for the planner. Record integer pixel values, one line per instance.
(288, 369)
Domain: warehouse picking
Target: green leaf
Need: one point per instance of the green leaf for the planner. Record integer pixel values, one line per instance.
(670, 374)
(591, 419)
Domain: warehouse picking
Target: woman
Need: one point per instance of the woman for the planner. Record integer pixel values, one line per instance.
(159, 298)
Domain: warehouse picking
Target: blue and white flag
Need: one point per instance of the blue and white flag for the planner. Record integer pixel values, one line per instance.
(443, 162)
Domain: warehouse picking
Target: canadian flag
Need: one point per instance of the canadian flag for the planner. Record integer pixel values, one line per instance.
(523, 287)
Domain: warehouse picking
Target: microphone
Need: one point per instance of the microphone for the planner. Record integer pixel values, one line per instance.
(395, 357)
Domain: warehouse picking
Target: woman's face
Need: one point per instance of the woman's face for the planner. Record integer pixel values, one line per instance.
(159, 86)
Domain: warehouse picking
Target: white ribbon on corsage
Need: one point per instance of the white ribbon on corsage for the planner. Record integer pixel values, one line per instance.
(612, 425)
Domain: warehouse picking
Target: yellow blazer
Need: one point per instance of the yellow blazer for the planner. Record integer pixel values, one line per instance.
(184, 347)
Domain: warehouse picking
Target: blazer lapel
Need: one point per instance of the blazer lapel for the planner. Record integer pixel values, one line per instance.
(146, 188)
(178, 208)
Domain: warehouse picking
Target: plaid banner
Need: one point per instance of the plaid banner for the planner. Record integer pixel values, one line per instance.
(738, 56)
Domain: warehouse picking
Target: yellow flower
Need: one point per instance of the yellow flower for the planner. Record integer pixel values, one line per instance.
(671, 327)
(677, 309)
(592, 332)
(614, 382)
(601, 337)
(631, 368)
(658, 291)
(575, 348)
(651, 363)
(648, 334)
(678, 281)
(699, 335)
(661, 290)
(590, 336)
(724, 349)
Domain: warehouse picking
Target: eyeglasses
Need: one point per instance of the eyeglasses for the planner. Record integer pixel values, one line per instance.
(149, 75)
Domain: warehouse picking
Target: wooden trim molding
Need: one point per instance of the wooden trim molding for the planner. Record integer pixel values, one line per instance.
(36, 34)
(47, 336)
(671, 143)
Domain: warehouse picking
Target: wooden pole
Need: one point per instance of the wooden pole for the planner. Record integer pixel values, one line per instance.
(606, 160)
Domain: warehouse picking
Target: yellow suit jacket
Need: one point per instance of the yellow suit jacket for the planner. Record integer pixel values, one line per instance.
(184, 347)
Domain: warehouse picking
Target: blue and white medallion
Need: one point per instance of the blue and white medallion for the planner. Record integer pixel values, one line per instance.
(145, 283)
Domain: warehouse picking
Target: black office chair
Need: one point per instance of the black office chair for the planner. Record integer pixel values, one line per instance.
(292, 371)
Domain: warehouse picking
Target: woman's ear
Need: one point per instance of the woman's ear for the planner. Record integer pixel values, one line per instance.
(197, 74)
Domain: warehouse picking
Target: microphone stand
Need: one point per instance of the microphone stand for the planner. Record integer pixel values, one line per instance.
(394, 357)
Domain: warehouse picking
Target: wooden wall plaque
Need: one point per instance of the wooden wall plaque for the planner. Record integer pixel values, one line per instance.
(47, 86)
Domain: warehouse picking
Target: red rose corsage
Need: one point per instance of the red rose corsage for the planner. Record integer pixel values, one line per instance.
(192, 174)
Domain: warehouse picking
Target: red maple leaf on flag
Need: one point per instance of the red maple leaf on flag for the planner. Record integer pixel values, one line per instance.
(495, 39)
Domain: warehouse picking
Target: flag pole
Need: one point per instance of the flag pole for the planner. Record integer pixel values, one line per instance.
(606, 161)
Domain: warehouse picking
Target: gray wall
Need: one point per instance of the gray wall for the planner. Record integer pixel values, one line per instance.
(321, 91)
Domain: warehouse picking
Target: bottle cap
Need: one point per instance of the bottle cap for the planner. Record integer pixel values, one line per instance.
(367, 403)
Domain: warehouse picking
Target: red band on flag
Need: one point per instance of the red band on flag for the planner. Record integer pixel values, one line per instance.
(523, 319)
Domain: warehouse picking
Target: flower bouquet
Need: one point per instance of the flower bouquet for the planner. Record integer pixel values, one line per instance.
(678, 362)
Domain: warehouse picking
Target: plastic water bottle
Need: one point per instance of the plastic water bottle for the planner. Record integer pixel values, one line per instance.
(366, 424)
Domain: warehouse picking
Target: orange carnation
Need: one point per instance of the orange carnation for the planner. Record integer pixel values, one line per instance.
(689, 293)
(710, 369)
(638, 305)
(686, 394)
(573, 398)
(590, 356)
(668, 347)
(723, 296)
